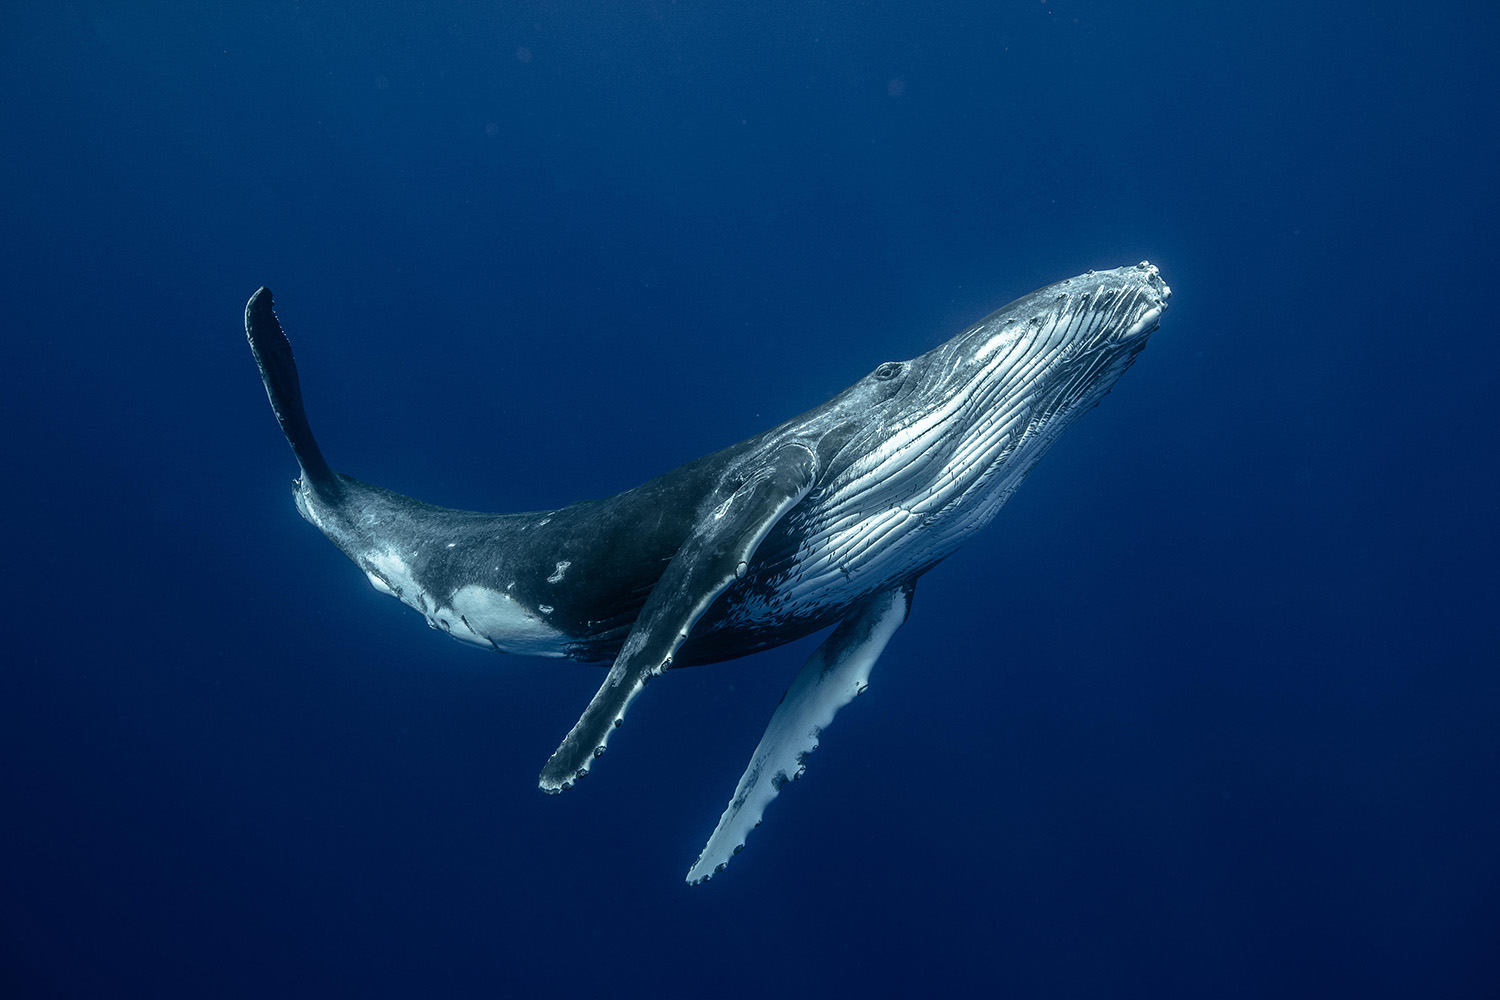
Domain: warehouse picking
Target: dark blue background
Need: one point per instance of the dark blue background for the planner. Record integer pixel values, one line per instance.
(1210, 710)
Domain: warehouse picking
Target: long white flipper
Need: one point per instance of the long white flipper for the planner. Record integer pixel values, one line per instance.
(714, 556)
(833, 676)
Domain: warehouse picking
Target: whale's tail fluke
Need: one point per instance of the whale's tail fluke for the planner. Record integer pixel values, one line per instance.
(278, 369)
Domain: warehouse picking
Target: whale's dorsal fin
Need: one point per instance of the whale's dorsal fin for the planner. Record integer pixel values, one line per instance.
(837, 671)
(716, 552)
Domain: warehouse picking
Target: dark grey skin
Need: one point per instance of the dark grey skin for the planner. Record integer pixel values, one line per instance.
(829, 517)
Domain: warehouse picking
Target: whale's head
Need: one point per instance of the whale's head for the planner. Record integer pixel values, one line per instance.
(957, 429)
(1047, 355)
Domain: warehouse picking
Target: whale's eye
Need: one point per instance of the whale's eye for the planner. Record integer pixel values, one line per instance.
(888, 371)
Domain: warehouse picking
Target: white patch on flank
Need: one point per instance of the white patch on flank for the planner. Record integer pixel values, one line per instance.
(389, 574)
(487, 617)
(380, 585)
(557, 574)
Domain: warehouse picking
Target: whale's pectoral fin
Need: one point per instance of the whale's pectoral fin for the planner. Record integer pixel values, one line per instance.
(716, 553)
(837, 671)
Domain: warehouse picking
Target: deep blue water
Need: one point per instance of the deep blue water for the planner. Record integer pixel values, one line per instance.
(1210, 710)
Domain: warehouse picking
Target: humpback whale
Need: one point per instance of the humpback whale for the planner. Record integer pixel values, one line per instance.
(827, 519)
